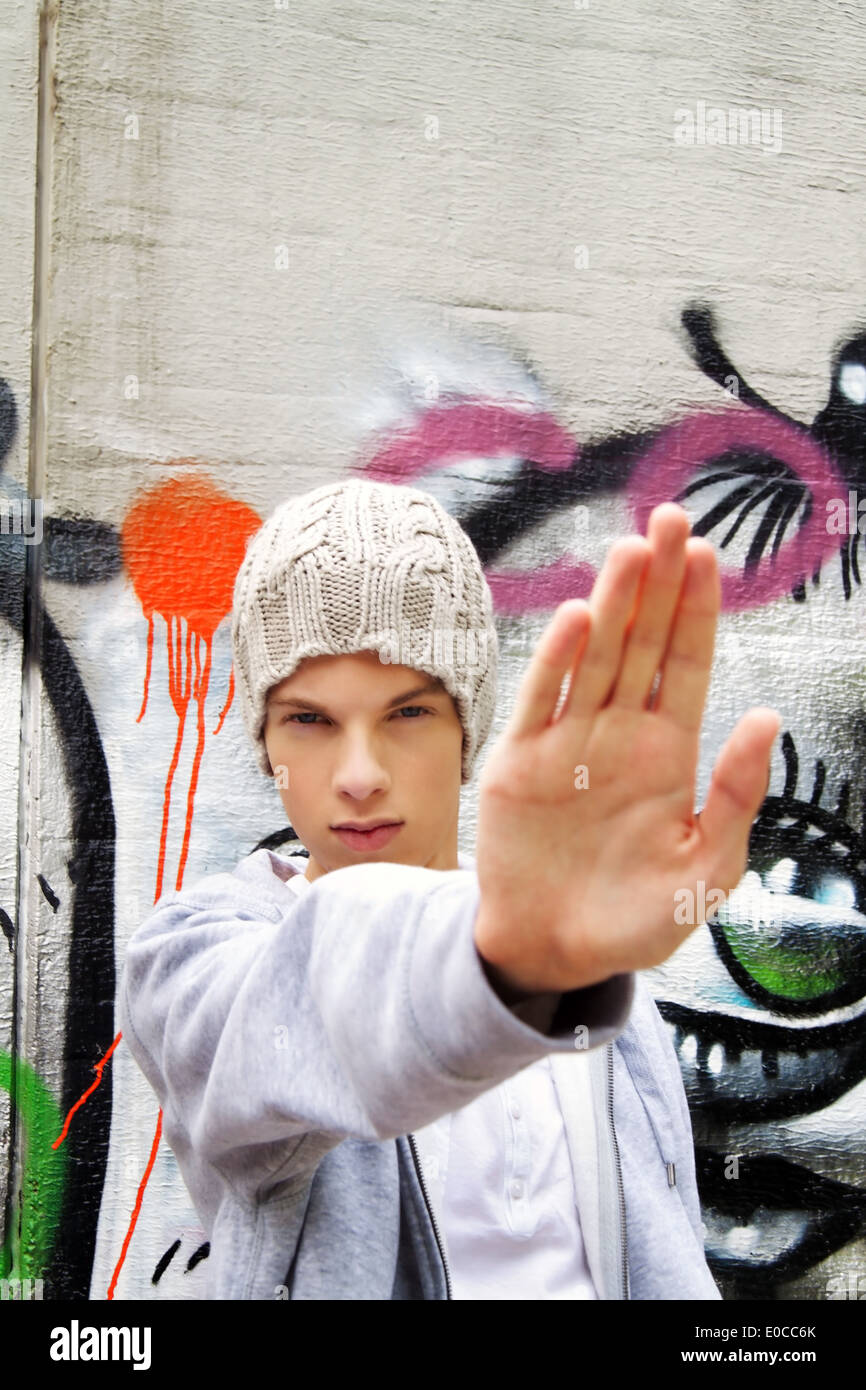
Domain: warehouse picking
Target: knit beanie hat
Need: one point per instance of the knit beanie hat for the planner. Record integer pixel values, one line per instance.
(360, 565)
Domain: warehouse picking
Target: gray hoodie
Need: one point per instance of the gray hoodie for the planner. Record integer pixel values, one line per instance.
(301, 1044)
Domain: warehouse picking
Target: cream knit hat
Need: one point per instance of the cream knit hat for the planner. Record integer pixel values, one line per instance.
(360, 565)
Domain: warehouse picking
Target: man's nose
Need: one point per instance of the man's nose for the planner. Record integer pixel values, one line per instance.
(360, 769)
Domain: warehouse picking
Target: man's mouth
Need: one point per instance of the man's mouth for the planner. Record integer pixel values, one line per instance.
(376, 835)
(777, 1220)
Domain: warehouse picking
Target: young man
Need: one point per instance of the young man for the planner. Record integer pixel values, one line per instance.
(386, 1071)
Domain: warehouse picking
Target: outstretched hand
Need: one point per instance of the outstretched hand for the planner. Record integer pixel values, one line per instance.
(587, 833)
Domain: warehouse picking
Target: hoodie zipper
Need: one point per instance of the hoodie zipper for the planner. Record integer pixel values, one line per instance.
(624, 1233)
(415, 1156)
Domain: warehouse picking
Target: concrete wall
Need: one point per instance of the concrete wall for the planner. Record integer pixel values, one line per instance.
(268, 235)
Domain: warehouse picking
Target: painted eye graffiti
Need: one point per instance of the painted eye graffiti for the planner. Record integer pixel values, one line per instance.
(793, 933)
(837, 435)
(773, 481)
(745, 481)
(793, 938)
(805, 956)
(761, 469)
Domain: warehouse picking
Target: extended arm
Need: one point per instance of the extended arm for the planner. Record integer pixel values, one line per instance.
(363, 1009)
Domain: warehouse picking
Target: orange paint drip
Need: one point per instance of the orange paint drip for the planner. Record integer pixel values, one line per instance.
(140, 714)
(137, 1208)
(98, 1068)
(183, 543)
(225, 707)
(200, 691)
(166, 802)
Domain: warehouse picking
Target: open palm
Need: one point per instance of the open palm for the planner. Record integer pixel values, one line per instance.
(587, 835)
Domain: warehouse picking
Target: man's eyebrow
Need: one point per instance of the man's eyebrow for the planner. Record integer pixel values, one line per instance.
(433, 687)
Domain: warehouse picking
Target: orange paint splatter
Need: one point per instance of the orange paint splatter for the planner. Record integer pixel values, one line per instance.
(98, 1068)
(137, 1208)
(183, 543)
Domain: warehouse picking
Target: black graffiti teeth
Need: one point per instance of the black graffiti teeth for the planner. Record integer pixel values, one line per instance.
(767, 1070)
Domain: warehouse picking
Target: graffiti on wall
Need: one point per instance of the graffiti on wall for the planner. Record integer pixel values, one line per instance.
(768, 1026)
(781, 1036)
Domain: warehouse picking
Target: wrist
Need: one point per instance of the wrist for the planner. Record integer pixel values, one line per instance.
(515, 977)
(509, 989)
(511, 981)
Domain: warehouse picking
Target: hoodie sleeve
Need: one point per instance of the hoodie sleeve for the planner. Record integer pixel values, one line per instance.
(361, 1009)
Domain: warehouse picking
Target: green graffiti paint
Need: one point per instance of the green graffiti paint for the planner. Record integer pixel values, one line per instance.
(27, 1247)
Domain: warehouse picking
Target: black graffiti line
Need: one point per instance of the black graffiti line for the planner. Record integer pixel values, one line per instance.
(48, 892)
(197, 1256)
(164, 1261)
(91, 983)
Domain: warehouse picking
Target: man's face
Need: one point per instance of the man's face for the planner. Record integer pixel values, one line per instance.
(353, 739)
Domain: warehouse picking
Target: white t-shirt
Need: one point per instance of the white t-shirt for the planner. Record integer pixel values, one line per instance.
(509, 1219)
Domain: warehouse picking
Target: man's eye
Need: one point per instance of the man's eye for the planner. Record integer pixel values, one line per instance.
(305, 715)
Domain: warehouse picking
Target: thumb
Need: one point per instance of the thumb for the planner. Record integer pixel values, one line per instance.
(738, 786)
